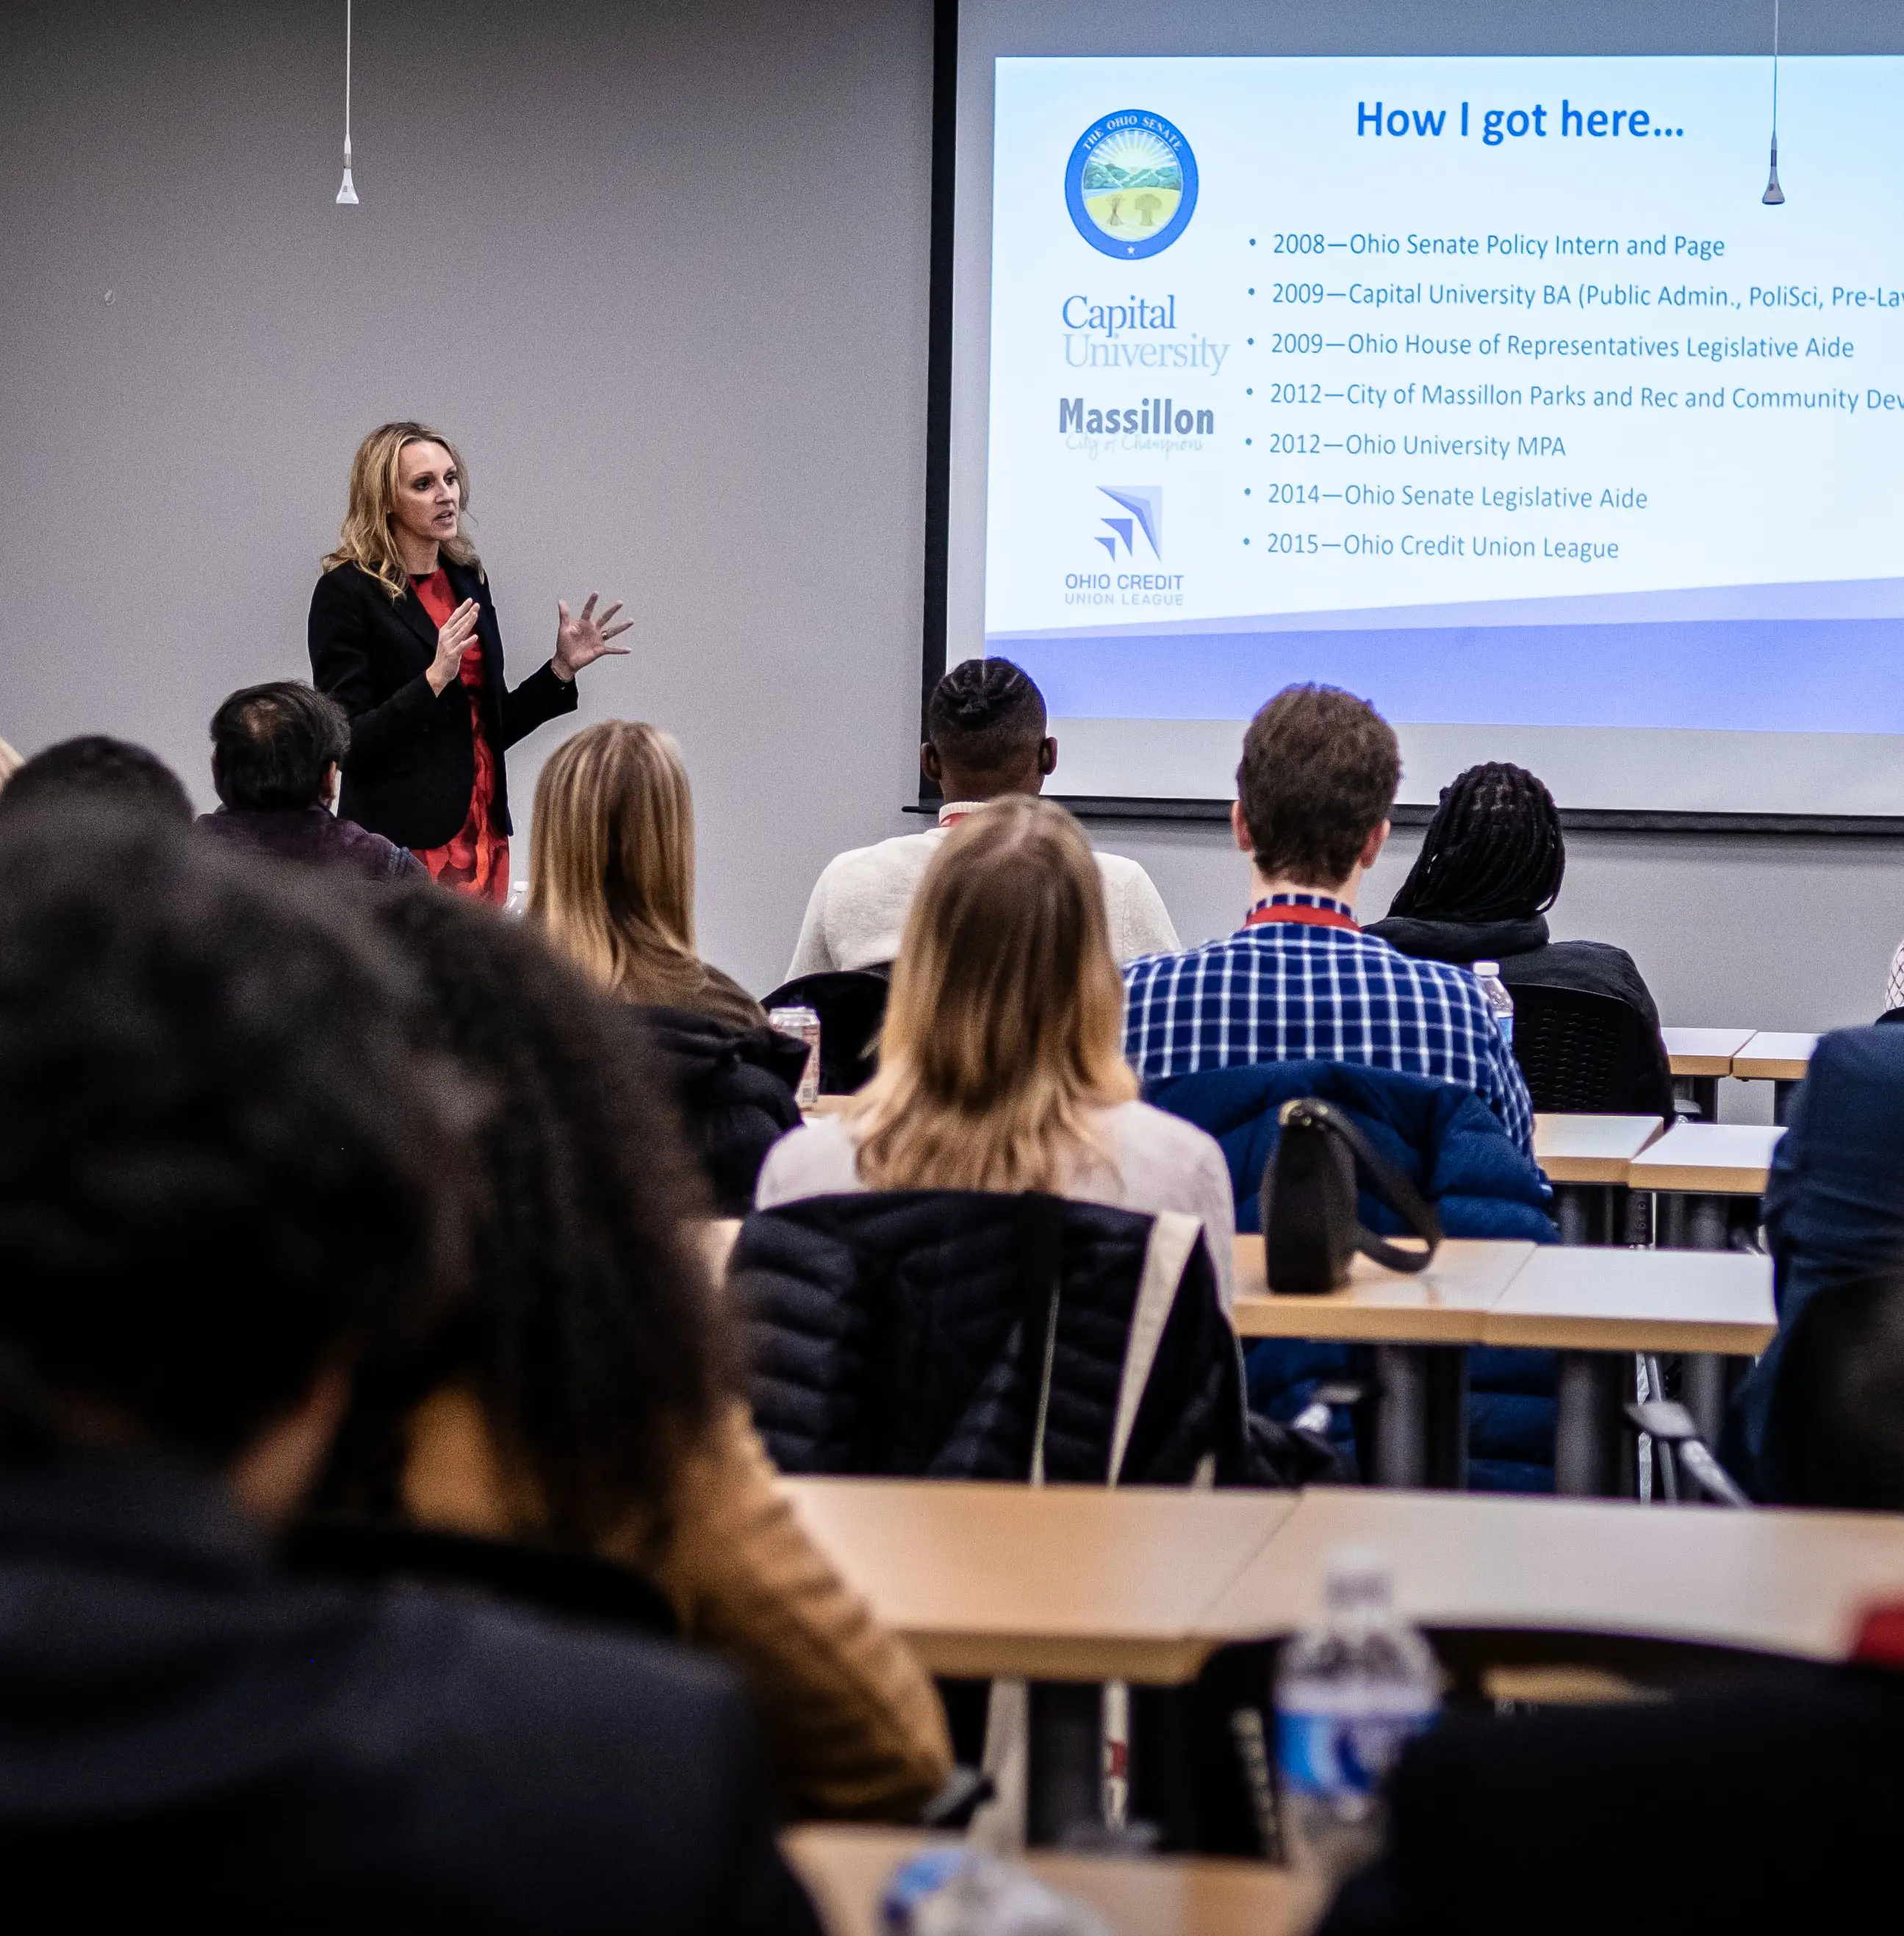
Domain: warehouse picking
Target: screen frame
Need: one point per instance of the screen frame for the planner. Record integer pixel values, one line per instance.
(938, 544)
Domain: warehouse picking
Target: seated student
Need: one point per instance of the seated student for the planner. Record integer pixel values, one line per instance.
(1490, 867)
(277, 751)
(612, 872)
(96, 768)
(1299, 981)
(222, 1168)
(1834, 1215)
(579, 1396)
(998, 1067)
(985, 741)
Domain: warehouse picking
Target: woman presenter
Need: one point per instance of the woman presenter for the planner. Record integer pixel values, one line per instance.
(403, 636)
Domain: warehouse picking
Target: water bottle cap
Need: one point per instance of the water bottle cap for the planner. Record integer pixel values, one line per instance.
(1487, 967)
(1357, 1577)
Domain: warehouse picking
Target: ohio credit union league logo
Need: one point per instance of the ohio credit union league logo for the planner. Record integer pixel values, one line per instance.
(1142, 505)
(1131, 184)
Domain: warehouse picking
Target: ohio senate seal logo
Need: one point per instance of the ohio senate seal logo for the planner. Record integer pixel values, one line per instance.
(1132, 184)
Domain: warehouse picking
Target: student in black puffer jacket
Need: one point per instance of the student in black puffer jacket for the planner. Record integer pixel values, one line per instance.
(1491, 866)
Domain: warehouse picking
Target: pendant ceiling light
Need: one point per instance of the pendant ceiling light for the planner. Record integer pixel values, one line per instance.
(1774, 195)
(347, 194)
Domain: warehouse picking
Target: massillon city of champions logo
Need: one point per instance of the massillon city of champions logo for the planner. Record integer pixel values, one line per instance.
(1132, 184)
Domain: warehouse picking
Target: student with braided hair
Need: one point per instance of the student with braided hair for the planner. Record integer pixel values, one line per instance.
(1490, 868)
(985, 740)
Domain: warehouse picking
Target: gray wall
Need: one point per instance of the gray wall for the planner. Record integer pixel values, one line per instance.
(662, 272)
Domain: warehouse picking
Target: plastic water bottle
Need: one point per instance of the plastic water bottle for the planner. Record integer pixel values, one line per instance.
(958, 1891)
(1494, 992)
(1349, 1693)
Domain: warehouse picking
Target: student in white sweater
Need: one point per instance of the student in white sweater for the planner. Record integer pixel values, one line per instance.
(1001, 1064)
(986, 722)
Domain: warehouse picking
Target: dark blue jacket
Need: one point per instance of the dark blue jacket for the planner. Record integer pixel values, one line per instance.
(1452, 1147)
(1834, 1212)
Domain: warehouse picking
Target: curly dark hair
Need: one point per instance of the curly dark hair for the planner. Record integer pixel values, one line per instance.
(590, 1328)
(217, 1149)
(1493, 851)
(985, 714)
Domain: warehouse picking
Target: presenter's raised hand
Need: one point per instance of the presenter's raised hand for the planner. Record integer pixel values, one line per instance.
(453, 638)
(582, 640)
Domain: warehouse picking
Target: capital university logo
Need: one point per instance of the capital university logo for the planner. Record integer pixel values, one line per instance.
(1132, 184)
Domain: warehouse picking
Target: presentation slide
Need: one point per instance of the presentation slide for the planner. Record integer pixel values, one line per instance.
(1492, 389)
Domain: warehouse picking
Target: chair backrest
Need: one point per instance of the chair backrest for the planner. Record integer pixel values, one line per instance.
(851, 1004)
(1839, 1407)
(962, 1334)
(1582, 1053)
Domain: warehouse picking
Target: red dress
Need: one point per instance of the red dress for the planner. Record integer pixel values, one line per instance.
(475, 861)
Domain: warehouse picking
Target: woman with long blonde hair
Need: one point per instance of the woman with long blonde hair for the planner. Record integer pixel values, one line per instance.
(1000, 1064)
(612, 871)
(403, 636)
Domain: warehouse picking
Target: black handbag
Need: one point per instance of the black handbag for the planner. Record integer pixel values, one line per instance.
(1312, 1226)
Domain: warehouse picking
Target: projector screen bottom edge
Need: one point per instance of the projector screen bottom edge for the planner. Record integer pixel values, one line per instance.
(1819, 782)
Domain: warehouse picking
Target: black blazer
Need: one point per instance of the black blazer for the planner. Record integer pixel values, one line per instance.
(412, 757)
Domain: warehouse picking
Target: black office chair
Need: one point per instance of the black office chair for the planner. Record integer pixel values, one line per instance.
(1588, 1054)
(851, 1004)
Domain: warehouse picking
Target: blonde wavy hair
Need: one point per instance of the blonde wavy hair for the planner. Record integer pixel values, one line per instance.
(1004, 1031)
(11, 763)
(368, 536)
(612, 862)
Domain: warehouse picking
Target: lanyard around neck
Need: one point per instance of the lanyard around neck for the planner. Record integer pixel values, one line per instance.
(1300, 913)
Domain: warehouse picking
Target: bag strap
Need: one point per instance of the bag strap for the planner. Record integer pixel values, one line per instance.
(1402, 1196)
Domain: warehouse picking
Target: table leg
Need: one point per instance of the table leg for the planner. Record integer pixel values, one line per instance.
(1572, 1211)
(1065, 1781)
(1701, 1391)
(1703, 1092)
(1591, 1388)
(1421, 1416)
(1782, 1095)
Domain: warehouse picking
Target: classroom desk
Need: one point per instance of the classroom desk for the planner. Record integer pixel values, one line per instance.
(1586, 1159)
(1050, 1582)
(1079, 1579)
(845, 1869)
(1780, 1580)
(1699, 1057)
(1596, 1307)
(1591, 1149)
(1712, 1159)
(1594, 1304)
(1779, 1058)
(1420, 1326)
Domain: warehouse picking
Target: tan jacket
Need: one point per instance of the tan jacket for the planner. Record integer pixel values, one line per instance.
(853, 1727)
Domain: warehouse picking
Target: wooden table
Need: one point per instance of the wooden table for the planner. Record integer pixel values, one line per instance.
(1591, 1149)
(1772, 1056)
(1713, 1159)
(1598, 1307)
(1571, 1299)
(1079, 1581)
(1784, 1581)
(1586, 1159)
(1781, 1058)
(1706, 1052)
(845, 1870)
(1104, 1585)
(1596, 1304)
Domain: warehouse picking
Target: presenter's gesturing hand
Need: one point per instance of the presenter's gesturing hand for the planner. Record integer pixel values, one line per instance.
(453, 640)
(582, 640)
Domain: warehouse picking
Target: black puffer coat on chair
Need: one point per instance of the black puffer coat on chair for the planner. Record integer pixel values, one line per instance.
(966, 1334)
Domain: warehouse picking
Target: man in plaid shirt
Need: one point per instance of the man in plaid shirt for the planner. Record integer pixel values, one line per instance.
(1300, 981)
